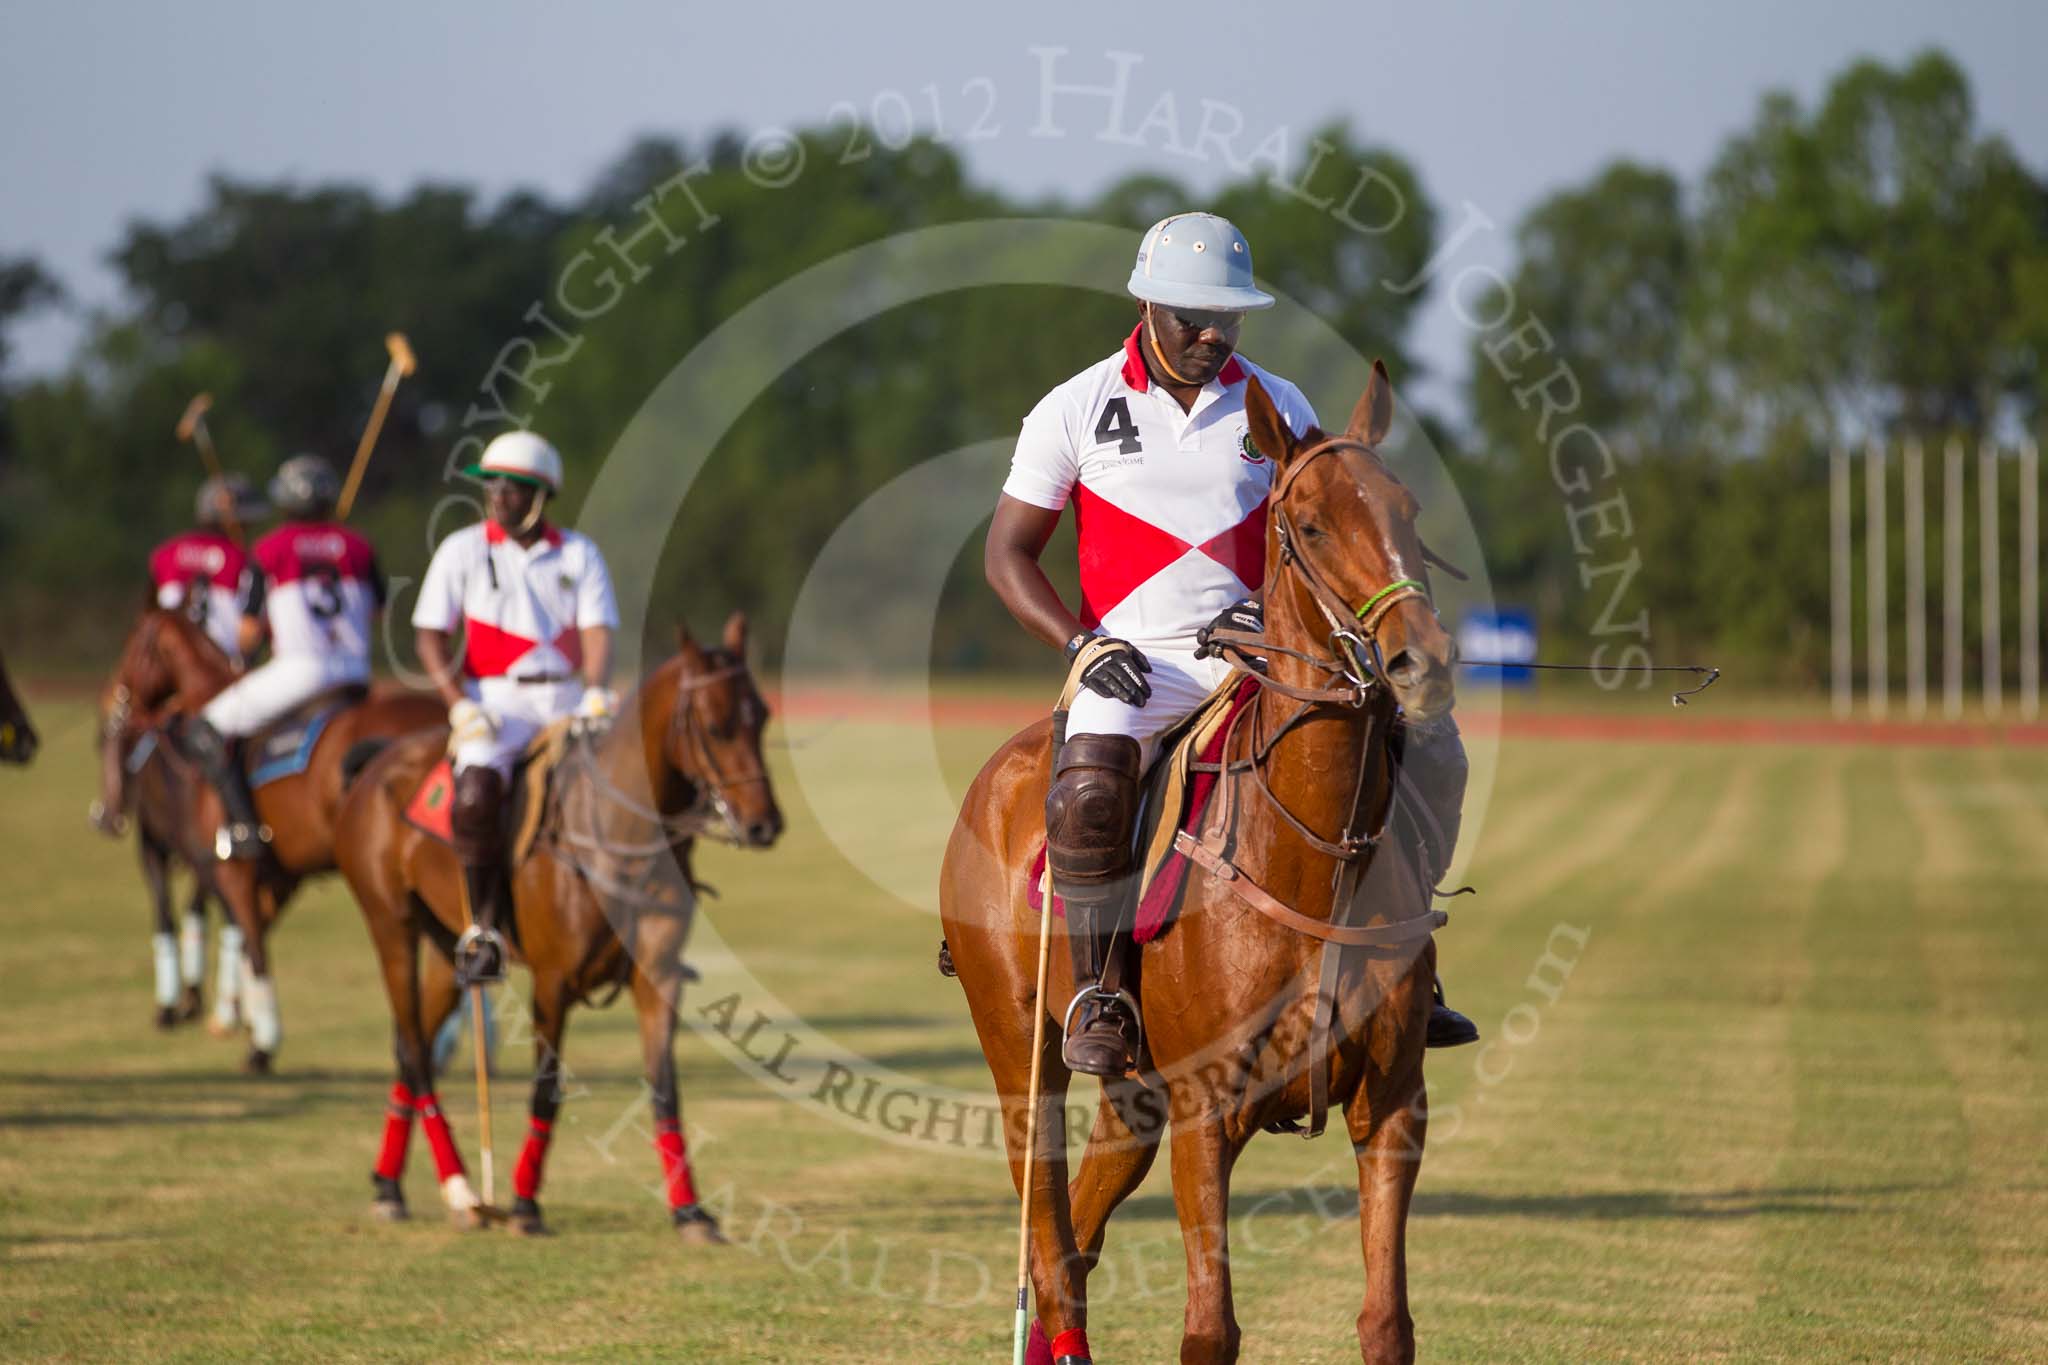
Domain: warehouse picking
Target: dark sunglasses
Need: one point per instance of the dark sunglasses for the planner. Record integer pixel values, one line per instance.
(1197, 321)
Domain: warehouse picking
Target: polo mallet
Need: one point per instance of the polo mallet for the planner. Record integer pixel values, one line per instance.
(1023, 1328)
(192, 428)
(1022, 1332)
(487, 1212)
(402, 364)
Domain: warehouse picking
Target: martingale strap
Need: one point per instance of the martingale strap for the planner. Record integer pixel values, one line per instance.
(1386, 937)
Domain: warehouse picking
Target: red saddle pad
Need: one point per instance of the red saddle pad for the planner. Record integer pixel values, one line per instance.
(429, 809)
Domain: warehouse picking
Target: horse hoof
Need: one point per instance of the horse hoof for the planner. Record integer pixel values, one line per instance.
(697, 1227)
(470, 1219)
(525, 1220)
(218, 1027)
(192, 1006)
(257, 1063)
(166, 1018)
(389, 1205)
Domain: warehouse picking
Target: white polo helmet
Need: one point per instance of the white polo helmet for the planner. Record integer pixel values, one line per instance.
(1197, 260)
(523, 456)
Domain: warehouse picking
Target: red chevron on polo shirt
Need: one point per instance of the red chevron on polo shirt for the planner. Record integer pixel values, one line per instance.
(521, 608)
(1169, 506)
(202, 571)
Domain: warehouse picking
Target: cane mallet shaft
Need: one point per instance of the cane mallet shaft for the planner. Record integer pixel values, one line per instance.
(1023, 1327)
(487, 1212)
(192, 429)
(483, 1092)
(402, 363)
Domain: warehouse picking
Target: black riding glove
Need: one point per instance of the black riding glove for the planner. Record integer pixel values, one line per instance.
(1248, 616)
(1117, 672)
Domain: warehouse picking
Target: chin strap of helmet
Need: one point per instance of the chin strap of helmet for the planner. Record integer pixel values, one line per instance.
(1152, 335)
(533, 514)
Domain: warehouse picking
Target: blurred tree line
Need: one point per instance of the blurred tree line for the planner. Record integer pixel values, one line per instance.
(1874, 265)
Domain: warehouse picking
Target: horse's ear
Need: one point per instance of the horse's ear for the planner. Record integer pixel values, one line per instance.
(685, 642)
(736, 632)
(1264, 424)
(1374, 415)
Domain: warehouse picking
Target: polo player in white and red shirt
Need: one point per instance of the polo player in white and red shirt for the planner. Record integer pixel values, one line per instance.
(200, 571)
(1150, 446)
(535, 606)
(313, 589)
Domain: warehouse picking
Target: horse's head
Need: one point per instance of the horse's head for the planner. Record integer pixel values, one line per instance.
(1344, 563)
(711, 740)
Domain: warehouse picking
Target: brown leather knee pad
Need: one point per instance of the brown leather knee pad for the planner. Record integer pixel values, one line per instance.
(477, 817)
(1089, 814)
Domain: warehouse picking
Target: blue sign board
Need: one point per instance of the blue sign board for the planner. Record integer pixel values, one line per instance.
(1506, 635)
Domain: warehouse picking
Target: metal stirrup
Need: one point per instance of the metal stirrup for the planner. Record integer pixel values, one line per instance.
(1094, 991)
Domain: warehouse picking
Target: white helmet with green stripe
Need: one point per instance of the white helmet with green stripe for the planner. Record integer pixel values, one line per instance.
(523, 456)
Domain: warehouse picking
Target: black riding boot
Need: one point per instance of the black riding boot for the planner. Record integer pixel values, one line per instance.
(1089, 815)
(1433, 757)
(243, 837)
(477, 821)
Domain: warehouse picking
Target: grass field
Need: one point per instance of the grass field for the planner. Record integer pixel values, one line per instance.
(1787, 1103)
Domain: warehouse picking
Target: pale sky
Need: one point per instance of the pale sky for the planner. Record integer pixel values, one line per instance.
(116, 111)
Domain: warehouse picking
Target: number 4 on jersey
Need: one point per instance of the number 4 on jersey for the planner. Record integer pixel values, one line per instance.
(1116, 425)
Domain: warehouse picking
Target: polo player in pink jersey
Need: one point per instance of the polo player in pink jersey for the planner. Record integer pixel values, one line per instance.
(200, 571)
(1150, 446)
(313, 589)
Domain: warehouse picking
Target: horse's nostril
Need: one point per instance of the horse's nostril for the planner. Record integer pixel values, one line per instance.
(1404, 667)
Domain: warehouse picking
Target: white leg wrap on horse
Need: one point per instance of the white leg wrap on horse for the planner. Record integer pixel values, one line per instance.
(457, 1192)
(192, 949)
(165, 948)
(259, 1003)
(227, 987)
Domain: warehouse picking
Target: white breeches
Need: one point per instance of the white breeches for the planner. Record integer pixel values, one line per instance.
(261, 695)
(1179, 683)
(522, 710)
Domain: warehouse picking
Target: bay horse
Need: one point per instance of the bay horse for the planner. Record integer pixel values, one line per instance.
(169, 668)
(141, 773)
(18, 739)
(1254, 1018)
(603, 901)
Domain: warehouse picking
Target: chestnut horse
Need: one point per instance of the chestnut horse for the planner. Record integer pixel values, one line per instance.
(1238, 994)
(602, 902)
(143, 774)
(18, 740)
(169, 667)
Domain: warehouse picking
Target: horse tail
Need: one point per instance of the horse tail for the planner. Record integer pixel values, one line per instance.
(358, 758)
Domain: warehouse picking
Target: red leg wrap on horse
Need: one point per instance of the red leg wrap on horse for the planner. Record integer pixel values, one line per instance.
(1037, 1350)
(397, 1133)
(1072, 1342)
(447, 1161)
(675, 1164)
(526, 1175)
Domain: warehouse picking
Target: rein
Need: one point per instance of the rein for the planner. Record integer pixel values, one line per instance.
(709, 805)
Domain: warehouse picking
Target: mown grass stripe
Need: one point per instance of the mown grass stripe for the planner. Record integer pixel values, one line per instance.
(1983, 939)
(1874, 1252)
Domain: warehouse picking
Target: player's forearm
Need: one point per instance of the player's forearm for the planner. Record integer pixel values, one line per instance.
(437, 659)
(1023, 587)
(597, 655)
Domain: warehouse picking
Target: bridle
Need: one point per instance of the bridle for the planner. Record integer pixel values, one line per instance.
(1355, 656)
(713, 784)
(709, 814)
(1355, 653)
